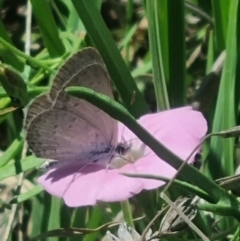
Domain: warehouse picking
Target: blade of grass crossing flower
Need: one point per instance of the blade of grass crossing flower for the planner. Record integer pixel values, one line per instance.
(48, 27)
(225, 203)
(118, 112)
(118, 71)
(225, 112)
(153, 13)
(177, 183)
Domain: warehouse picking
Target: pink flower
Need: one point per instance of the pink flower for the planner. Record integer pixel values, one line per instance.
(179, 129)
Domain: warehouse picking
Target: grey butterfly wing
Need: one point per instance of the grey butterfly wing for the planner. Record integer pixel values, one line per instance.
(86, 68)
(94, 116)
(46, 110)
(36, 107)
(66, 75)
(63, 136)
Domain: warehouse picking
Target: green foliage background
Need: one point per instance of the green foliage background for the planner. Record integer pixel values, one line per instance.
(187, 54)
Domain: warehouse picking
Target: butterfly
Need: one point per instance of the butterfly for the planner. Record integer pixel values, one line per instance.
(67, 129)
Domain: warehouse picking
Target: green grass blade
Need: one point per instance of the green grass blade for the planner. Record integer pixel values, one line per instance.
(225, 112)
(101, 37)
(8, 56)
(11, 152)
(24, 165)
(37, 214)
(177, 61)
(54, 217)
(48, 27)
(95, 219)
(221, 17)
(27, 195)
(153, 13)
(210, 54)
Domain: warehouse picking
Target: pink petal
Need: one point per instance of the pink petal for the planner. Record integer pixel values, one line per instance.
(102, 186)
(93, 184)
(154, 166)
(179, 129)
(58, 180)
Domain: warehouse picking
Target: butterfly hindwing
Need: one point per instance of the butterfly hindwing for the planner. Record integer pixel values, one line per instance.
(63, 136)
(36, 107)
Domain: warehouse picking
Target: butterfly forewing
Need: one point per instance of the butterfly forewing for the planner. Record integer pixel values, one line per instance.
(86, 68)
(73, 66)
(95, 117)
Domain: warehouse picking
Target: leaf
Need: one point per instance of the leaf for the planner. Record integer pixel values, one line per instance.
(15, 147)
(7, 110)
(9, 56)
(48, 27)
(27, 195)
(14, 84)
(70, 232)
(101, 37)
(24, 165)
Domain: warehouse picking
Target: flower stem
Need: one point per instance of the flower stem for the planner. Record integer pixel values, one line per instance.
(127, 213)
